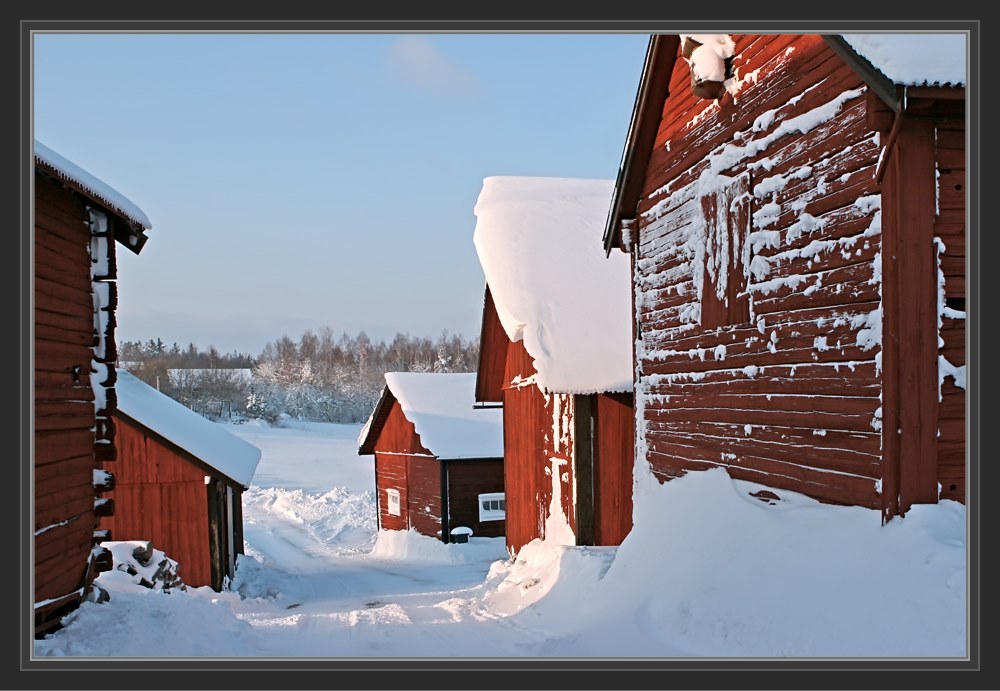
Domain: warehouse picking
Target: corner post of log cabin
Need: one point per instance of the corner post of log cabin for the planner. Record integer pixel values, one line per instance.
(910, 347)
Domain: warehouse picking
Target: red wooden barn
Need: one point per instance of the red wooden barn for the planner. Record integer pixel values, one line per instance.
(77, 221)
(555, 350)
(179, 483)
(794, 209)
(438, 457)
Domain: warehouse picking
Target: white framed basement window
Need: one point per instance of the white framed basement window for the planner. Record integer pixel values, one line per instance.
(492, 506)
(393, 497)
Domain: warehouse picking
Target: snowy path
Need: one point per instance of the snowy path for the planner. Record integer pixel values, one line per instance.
(738, 578)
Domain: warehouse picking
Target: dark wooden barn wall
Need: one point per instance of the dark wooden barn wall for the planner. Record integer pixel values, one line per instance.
(950, 228)
(614, 439)
(793, 400)
(537, 429)
(65, 416)
(162, 497)
(466, 481)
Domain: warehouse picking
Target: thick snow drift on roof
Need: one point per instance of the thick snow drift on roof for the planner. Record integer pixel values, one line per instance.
(440, 406)
(539, 242)
(914, 59)
(100, 189)
(204, 439)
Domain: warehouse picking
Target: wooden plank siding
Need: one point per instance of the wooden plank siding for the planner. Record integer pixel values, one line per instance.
(160, 496)
(404, 464)
(614, 446)
(434, 493)
(65, 418)
(466, 481)
(789, 394)
(949, 228)
(492, 354)
(538, 441)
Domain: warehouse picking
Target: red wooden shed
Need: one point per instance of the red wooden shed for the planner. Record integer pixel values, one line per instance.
(438, 457)
(179, 483)
(77, 221)
(555, 350)
(797, 241)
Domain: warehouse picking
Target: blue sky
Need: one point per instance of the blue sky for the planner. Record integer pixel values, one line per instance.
(301, 181)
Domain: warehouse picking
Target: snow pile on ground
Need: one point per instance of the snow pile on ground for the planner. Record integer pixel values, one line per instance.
(710, 570)
(338, 517)
(411, 546)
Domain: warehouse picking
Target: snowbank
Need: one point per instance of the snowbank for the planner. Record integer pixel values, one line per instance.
(411, 546)
(712, 571)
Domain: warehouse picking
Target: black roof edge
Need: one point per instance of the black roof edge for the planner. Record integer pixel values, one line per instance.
(614, 212)
(884, 87)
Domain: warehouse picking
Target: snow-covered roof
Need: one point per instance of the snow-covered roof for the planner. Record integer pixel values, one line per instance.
(102, 191)
(539, 242)
(441, 406)
(932, 59)
(203, 439)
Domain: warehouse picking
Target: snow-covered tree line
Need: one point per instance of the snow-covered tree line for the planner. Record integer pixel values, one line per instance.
(320, 377)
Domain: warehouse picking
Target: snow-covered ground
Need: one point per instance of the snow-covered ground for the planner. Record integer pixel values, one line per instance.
(708, 572)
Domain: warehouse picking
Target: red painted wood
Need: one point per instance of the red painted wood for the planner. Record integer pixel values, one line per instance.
(733, 409)
(530, 444)
(614, 447)
(424, 495)
(64, 455)
(911, 201)
(160, 496)
(404, 464)
(398, 435)
(950, 155)
(493, 343)
(391, 471)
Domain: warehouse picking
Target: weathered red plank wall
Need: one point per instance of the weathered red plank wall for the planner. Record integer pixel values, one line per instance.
(403, 464)
(782, 388)
(950, 228)
(161, 496)
(466, 481)
(65, 416)
(537, 429)
(614, 440)
(492, 353)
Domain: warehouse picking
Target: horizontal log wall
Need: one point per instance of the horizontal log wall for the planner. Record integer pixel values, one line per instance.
(790, 399)
(65, 416)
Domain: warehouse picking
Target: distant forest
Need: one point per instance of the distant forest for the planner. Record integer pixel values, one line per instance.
(321, 377)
